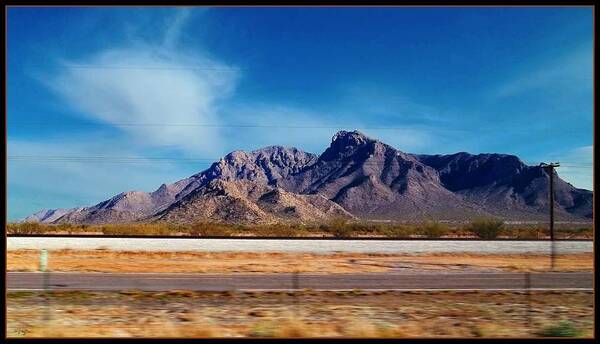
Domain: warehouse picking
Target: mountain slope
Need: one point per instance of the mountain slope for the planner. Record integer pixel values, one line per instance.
(373, 180)
(356, 176)
(248, 202)
(263, 167)
(48, 216)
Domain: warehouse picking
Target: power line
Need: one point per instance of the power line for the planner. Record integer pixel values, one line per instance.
(582, 164)
(63, 157)
(190, 67)
(125, 159)
(21, 156)
(220, 69)
(255, 126)
(210, 125)
(578, 163)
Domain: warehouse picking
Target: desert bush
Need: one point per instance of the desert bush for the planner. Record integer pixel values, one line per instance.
(433, 229)
(563, 329)
(363, 228)
(137, 229)
(394, 231)
(575, 232)
(486, 228)
(339, 228)
(274, 230)
(523, 232)
(25, 228)
(284, 231)
(65, 227)
(210, 229)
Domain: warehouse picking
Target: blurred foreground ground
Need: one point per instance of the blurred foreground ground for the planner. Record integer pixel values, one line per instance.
(304, 313)
(275, 262)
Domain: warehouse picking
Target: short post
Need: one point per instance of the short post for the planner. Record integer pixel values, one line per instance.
(553, 255)
(296, 286)
(43, 260)
(45, 279)
(528, 296)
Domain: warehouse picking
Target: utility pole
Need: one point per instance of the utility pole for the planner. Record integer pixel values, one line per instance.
(550, 168)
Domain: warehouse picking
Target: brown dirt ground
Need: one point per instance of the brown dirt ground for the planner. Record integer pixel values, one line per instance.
(301, 314)
(240, 262)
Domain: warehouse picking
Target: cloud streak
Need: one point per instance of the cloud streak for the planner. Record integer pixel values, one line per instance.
(150, 84)
(570, 73)
(175, 27)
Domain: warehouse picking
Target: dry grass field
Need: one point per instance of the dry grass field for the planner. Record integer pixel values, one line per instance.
(249, 262)
(302, 314)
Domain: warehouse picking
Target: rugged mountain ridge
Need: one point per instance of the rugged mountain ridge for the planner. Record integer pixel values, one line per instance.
(373, 180)
(507, 187)
(355, 177)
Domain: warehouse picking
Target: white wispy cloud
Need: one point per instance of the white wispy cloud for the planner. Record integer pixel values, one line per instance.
(175, 26)
(137, 87)
(149, 84)
(569, 73)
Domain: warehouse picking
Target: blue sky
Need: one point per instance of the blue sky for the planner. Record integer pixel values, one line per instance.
(127, 82)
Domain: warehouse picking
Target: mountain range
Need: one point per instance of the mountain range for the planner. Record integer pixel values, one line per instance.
(356, 177)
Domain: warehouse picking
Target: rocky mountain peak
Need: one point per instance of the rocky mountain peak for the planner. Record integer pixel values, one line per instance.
(349, 138)
(289, 157)
(347, 143)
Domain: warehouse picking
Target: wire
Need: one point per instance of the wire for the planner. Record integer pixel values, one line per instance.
(268, 126)
(209, 125)
(73, 66)
(17, 157)
(199, 161)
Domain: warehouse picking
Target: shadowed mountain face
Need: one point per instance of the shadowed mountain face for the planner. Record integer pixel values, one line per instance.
(356, 177)
(508, 187)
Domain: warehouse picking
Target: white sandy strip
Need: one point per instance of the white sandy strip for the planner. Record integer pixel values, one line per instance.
(283, 245)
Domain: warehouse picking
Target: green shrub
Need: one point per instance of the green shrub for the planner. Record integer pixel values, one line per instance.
(65, 227)
(486, 228)
(576, 230)
(210, 229)
(339, 228)
(563, 329)
(25, 228)
(272, 230)
(433, 229)
(394, 231)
